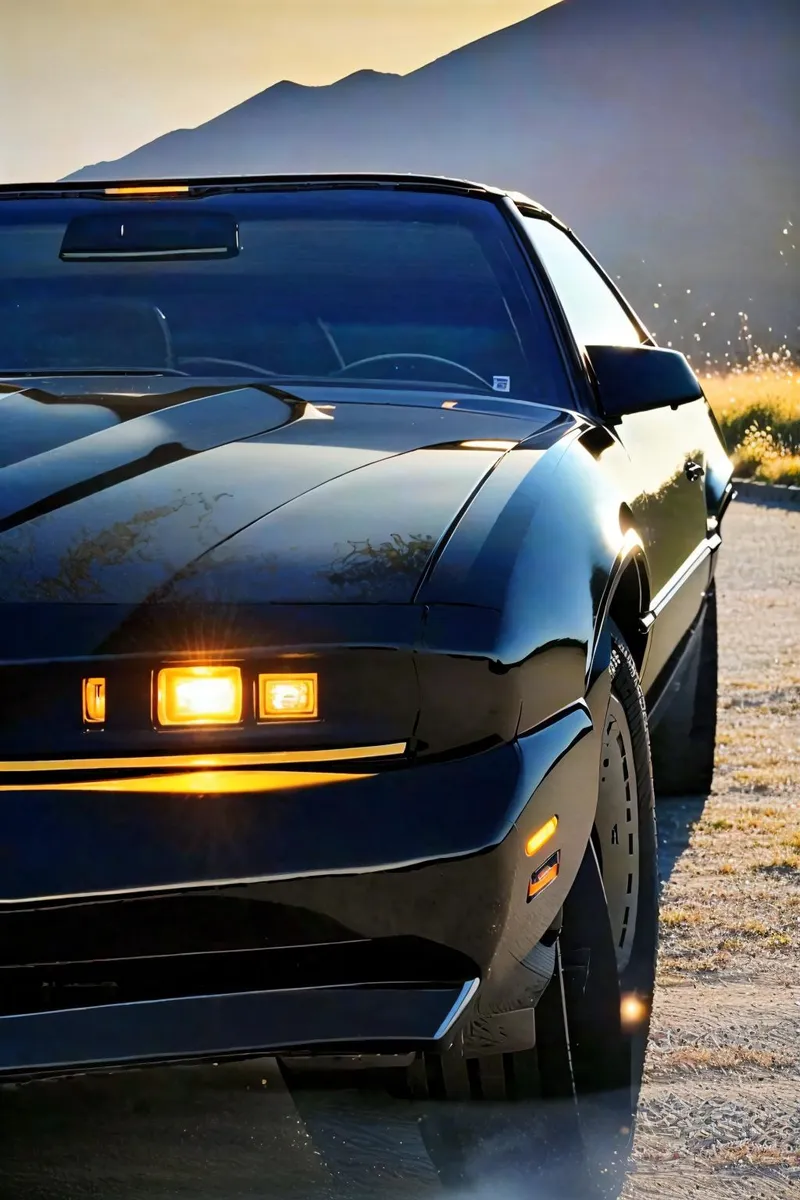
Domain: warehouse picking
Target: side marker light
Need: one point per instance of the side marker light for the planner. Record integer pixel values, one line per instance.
(94, 701)
(544, 876)
(543, 835)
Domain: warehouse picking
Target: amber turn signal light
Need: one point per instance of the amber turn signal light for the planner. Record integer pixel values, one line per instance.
(94, 701)
(147, 190)
(541, 837)
(287, 697)
(545, 875)
(201, 695)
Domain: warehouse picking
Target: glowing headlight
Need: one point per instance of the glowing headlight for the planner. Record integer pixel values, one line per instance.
(199, 696)
(287, 696)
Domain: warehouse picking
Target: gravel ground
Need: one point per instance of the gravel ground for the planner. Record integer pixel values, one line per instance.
(719, 1117)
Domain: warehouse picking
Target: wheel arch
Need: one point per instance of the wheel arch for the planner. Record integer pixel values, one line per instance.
(628, 602)
(625, 600)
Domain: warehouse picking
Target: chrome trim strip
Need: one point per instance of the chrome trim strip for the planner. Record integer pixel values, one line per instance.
(207, 762)
(673, 585)
(729, 493)
(465, 995)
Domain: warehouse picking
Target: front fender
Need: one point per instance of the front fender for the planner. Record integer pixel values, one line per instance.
(529, 574)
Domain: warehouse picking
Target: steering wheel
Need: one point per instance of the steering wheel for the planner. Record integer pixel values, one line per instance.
(362, 362)
(226, 362)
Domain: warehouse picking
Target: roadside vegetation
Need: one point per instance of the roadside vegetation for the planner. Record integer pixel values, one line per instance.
(754, 389)
(758, 407)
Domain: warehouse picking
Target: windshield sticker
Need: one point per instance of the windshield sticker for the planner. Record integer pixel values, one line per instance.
(501, 383)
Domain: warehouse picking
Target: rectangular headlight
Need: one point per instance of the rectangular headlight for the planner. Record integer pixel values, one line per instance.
(199, 696)
(287, 697)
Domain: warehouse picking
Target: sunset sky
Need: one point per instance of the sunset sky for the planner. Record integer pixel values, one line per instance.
(84, 80)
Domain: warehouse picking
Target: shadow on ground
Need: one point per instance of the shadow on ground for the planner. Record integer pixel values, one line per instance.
(234, 1132)
(676, 820)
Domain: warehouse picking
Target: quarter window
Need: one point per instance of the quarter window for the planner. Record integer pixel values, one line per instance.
(595, 315)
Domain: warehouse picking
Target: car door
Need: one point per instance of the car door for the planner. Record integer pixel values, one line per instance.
(658, 458)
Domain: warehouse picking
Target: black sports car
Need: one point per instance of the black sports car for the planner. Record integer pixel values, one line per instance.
(353, 532)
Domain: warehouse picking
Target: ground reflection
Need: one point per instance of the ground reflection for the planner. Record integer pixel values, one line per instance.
(234, 1131)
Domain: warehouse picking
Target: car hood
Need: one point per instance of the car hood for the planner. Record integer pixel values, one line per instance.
(238, 493)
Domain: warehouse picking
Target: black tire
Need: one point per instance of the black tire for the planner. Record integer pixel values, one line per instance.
(579, 1086)
(637, 975)
(685, 738)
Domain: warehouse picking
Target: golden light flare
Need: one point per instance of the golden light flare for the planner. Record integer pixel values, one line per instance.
(633, 1010)
(198, 761)
(203, 783)
(202, 695)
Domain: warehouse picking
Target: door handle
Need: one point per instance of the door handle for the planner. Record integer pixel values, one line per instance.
(693, 470)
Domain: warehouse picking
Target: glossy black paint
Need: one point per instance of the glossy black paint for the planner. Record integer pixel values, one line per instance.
(638, 378)
(452, 598)
(298, 870)
(214, 1027)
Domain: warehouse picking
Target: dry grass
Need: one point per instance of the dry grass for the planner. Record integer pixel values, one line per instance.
(726, 1058)
(671, 917)
(782, 863)
(783, 469)
(753, 1155)
(758, 408)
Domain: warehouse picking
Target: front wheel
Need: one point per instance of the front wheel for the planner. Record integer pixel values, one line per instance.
(562, 1114)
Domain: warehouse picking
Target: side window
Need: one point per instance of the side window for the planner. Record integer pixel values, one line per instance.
(593, 311)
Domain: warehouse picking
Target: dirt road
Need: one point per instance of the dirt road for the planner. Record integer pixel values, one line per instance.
(721, 1108)
(720, 1116)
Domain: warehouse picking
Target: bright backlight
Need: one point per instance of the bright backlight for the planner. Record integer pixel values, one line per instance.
(199, 696)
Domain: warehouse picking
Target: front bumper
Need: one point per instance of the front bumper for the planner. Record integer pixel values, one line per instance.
(375, 913)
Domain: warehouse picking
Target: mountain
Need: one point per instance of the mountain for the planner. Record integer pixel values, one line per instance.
(661, 129)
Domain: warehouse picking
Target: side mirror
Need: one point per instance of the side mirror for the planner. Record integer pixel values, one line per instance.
(633, 379)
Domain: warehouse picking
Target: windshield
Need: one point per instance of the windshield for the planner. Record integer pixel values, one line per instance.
(350, 285)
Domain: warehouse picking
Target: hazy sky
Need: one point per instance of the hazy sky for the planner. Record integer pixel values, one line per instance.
(85, 80)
